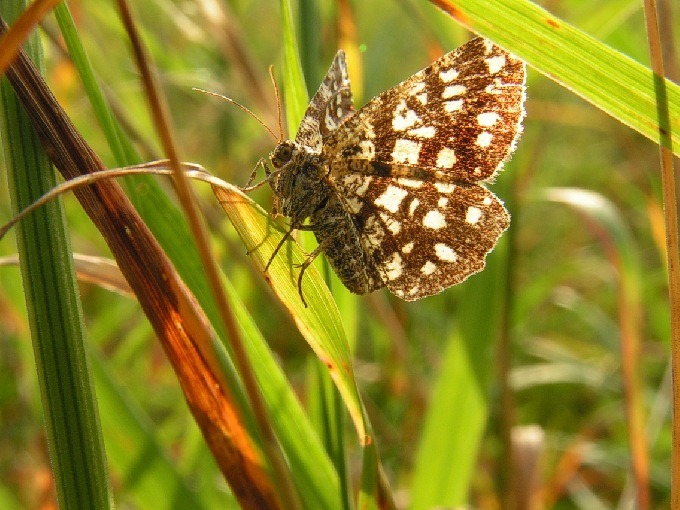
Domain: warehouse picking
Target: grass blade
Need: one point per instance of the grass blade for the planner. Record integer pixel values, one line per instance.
(67, 392)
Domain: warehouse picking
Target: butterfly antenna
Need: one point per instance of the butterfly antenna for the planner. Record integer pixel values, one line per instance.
(239, 105)
(278, 101)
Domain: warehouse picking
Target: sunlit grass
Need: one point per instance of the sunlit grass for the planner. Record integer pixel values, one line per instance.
(427, 371)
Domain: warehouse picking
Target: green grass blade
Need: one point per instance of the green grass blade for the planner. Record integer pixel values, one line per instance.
(296, 97)
(319, 322)
(312, 471)
(459, 406)
(121, 152)
(310, 41)
(152, 479)
(67, 393)
(613, 82)
(327, 413)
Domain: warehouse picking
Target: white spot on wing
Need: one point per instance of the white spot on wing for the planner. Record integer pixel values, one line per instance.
(392, 225)
(453, 106)
(394, 267)
(411, 183)
(442, 202)
(487, 201)
(428, 268)
(406, 151)
(484, 139)
(447, 75)
(473, 214)
(446, 158)
(368, 130)
(434, 219)
(445, 252)
(444, 187)
(391, 198)
(422, 97)
(407, 248)
(487, 119)
(330, 123)
(453, 91)
(496, 63)
(364, 185)
(404, 117)
(354, 205)
(412, 206)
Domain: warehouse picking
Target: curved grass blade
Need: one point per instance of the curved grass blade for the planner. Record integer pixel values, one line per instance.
(609, 227)
(319, 322)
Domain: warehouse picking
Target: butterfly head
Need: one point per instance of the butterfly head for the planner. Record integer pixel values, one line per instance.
(283, 154)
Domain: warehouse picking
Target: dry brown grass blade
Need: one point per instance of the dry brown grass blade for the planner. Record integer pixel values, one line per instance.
(171, 308)
(99, 271)
(161, 116)
(670, 186)
(12, 39)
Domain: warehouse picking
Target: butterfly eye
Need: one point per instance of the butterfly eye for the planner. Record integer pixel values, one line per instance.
(285, 153)
(281, 155)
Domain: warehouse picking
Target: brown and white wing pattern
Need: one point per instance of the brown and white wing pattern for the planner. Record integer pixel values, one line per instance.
(329, 107)
(408, 166)
(424, 236)
(394, 192)
(456, 120)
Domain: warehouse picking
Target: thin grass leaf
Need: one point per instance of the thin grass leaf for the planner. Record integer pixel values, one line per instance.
(310, 41)
(312, 471)
(293, 78)
(608, 225)
(328, 398)
(133, 447)
(122, 151)
(67, 393)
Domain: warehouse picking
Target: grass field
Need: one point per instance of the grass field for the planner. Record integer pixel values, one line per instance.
(542, 382)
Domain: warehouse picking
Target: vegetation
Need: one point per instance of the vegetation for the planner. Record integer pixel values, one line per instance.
(559, 351)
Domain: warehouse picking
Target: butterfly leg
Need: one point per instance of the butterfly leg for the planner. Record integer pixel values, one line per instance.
(268, 176)
(285, 237)
(303, 267)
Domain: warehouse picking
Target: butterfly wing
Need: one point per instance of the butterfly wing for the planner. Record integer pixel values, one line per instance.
(423, 236)
(407, 166)
(331, 106)
(456, 120)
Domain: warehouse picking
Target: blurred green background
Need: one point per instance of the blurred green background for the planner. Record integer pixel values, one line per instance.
(542, 325)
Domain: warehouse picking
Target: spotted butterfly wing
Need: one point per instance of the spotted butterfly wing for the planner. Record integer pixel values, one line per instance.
(407, 167)
(331, 105)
